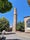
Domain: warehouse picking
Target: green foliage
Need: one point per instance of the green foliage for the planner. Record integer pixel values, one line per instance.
(20, 26)
(4, 24)
(5, 6)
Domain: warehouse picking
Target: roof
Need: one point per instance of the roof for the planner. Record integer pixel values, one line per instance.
(26, 16)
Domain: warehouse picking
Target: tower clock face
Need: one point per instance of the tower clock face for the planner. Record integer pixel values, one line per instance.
(29, 2)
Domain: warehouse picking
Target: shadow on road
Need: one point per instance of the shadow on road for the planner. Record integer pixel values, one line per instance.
(13, 39)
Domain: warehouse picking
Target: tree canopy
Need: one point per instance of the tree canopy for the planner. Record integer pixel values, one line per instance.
(29, 2)
(5, 6)
(4, 24)
(20, 26)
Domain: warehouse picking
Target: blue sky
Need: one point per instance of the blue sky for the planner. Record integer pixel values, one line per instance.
(23, 10)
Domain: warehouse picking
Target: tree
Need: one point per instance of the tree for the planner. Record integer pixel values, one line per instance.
(29, 2)
(4, 24)
(5, 6)
(20, 26)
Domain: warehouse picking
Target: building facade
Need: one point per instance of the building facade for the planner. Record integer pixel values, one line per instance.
(27, 23)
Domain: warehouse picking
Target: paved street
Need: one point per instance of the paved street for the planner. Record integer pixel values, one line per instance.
(18, 35)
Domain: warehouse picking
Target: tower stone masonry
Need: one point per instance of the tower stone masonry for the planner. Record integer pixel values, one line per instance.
(14, 20)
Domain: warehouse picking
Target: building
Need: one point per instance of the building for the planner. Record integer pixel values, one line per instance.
(27, 23)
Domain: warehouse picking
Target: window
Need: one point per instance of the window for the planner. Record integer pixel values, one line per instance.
(28, 23)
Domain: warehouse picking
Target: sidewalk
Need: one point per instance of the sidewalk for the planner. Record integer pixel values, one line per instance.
(23, 34)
